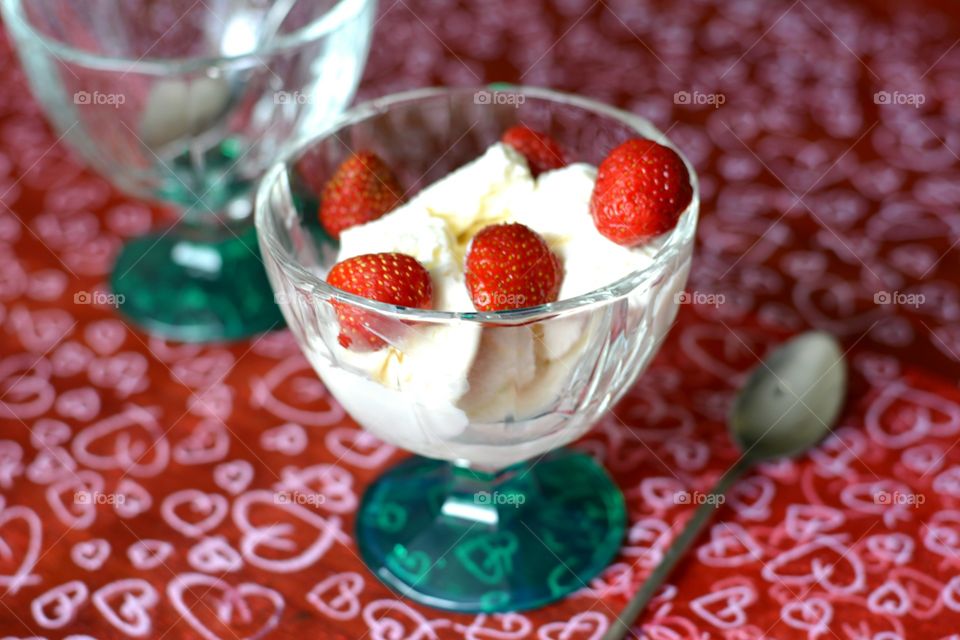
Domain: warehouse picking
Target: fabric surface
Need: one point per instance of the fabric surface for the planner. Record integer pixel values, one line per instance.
(826, 137)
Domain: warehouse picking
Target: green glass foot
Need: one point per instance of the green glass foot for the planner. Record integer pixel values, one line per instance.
(460, 540)
(196, 285)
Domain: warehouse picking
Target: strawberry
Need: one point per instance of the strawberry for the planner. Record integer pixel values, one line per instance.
(509, 266)
(642, 188)
(394, 278)
(541, 151)
(311, 168)
(362, 189)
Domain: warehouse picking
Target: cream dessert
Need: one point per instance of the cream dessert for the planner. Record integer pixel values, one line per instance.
(464, 389)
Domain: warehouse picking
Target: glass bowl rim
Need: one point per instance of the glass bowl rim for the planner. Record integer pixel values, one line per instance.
(679, 237)
(331, 20)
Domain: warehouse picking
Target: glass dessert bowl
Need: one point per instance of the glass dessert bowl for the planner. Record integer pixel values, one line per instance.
(492, 514)
(188, 102)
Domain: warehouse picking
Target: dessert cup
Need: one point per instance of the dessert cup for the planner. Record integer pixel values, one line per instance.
(492, 514)
(188, 103)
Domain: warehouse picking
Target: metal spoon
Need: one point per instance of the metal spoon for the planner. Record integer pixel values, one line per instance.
(786, 406)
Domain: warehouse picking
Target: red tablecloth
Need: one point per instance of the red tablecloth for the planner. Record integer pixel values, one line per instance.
(826, 136)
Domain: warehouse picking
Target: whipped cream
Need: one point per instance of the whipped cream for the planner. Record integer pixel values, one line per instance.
(462, 390)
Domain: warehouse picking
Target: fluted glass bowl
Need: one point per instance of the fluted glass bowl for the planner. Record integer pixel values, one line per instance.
(491, 518)
(188, 102)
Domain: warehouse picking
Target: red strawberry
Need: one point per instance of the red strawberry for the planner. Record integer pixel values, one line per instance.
(541, 151)
(509, 266)
(642, 188)
(394, 278)
(362, 189)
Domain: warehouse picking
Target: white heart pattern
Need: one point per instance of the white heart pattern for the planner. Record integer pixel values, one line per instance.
(148, 554)
(233, 477)
(214, 555)
(210, 507)
(90, 554)
(56, 608)
(231, 606)
(337, 596)
(132, 616)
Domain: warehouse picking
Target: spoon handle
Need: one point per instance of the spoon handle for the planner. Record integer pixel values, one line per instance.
(620, 627)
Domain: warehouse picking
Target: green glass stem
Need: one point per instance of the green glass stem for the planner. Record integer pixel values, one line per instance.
(465, 540)
(196, 283)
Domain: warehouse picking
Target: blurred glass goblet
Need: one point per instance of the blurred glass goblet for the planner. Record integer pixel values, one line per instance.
(495, 516)
(188, 103)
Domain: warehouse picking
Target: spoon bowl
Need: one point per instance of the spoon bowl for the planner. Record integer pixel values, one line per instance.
(789, 402)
